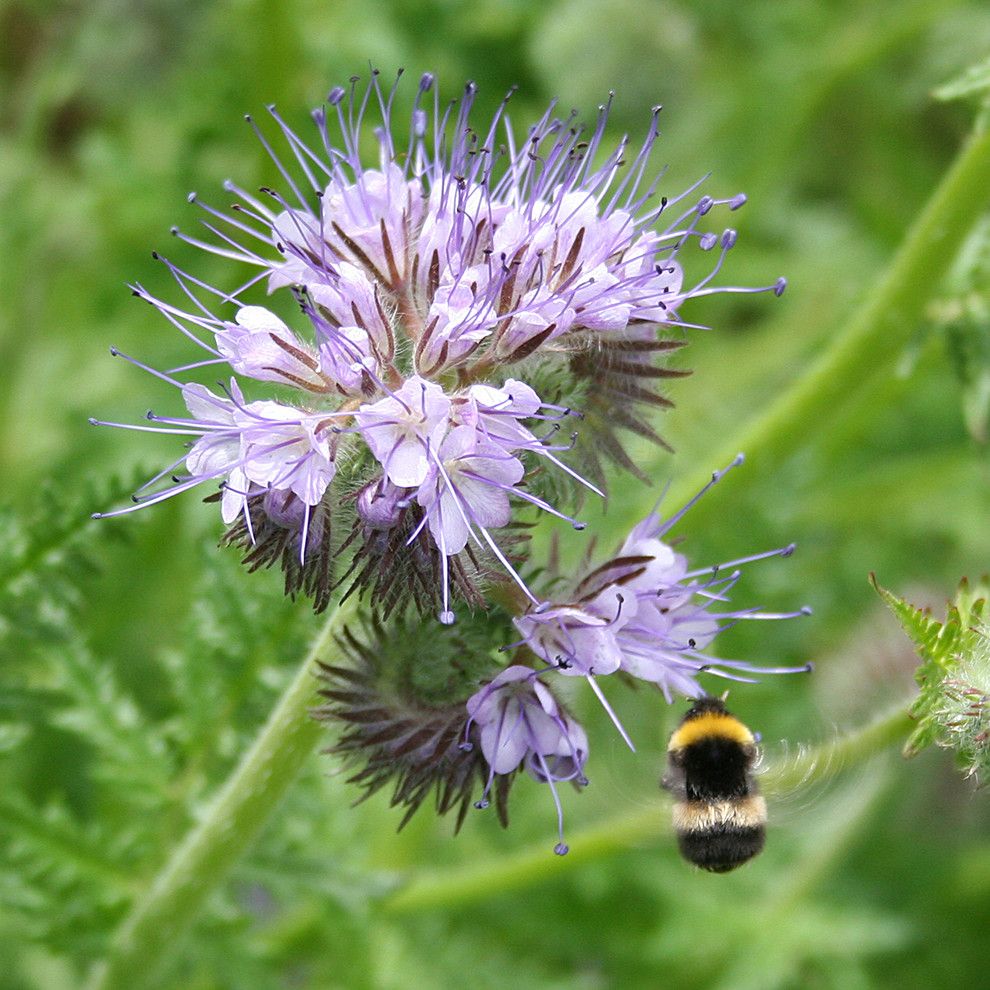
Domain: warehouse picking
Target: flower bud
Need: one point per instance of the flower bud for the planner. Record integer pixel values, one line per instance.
(380, 504)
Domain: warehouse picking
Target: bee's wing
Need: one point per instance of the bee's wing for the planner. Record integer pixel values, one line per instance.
(794, 779)
(673, 780)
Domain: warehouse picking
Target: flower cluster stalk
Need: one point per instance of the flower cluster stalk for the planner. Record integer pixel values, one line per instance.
(203, 860)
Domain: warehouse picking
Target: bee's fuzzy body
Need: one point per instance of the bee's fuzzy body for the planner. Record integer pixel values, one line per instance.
(719, 815)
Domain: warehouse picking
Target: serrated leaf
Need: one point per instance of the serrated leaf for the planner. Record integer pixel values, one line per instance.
(66, 882)
(132, 752)
(45, 561)
(943, 648)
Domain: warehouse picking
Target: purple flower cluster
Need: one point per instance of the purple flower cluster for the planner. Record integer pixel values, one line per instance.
(425, 280)
(644, 612)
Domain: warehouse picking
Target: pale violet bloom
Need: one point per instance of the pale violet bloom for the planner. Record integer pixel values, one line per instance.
(460, 317)
(347, 356)
(580, 639)
(468, 489)
(365, 220)
(255, 447)
(476, 240)
(249, 449)
(522, 725)
(368, 219)
(286, 450)
(403, 428)
(455, 214)
(380, 504)
(346, 296)
(467, 493)
(217, 453)
(260, 346)
(540, 315)
(497, 414)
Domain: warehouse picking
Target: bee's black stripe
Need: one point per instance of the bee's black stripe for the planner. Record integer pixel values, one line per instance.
(716, 769)
(723, 849)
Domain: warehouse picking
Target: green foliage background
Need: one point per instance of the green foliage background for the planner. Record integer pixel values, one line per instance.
(137, 661)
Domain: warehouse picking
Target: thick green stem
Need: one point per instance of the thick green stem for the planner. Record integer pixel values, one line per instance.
(203, 860)
(454, 887)
(876, 335)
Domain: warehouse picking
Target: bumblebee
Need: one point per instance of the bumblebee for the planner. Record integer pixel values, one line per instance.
(719, 815)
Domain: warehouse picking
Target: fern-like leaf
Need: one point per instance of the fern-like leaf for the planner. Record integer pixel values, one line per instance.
(953, 705)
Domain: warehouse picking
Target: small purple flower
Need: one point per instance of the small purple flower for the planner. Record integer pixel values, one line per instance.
(467, 494)
(347, 355)
(403, 428)
(468, 488)
(580, 639)
(250, 448)
(380, 504)
(262, 444)
(259, 345)
(497, 414)
(522, 724)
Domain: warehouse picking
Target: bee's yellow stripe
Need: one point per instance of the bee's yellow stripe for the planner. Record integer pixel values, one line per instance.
(704, 816)
(711, 724)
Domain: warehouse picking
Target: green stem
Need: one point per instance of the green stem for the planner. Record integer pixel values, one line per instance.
(474, 883)
(203, 860)
(876, 335)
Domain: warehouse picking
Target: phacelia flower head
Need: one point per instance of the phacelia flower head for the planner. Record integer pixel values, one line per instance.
(429, 712)
(458, 299)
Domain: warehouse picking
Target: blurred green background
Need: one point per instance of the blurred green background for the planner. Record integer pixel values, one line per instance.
(112, 111)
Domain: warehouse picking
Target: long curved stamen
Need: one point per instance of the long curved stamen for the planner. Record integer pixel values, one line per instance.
(590, 678)
(716, 478)
(561, 849)
(715, 568)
